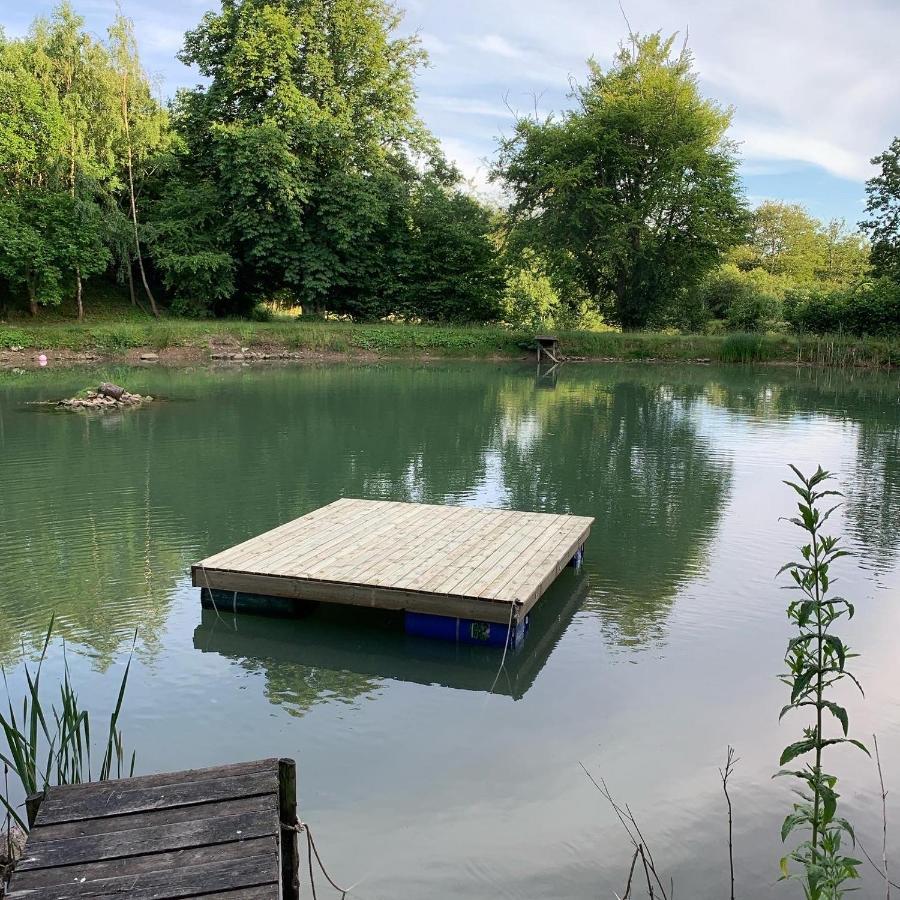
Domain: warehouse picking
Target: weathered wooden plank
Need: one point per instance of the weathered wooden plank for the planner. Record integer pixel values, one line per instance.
(95, 870)
(507, 551)
(149, 839)
(109, 824)
(188, 881)
(122, 798)
(413, 547)
(232, 770)
(469, 551)
(260, 892)
(518, 559)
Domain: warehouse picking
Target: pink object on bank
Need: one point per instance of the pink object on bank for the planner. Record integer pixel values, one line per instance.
(42, 359)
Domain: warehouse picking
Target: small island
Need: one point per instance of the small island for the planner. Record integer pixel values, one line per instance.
(107, 396)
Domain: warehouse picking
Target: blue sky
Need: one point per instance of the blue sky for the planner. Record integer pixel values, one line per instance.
(815, 83)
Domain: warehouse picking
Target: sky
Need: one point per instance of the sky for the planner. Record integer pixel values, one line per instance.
(815, 84)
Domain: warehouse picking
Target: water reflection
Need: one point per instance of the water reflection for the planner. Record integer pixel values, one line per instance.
(628, 452)
(436, 791)
(345, 654)
(100, 518)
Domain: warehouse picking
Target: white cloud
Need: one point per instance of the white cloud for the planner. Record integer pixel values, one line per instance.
(499, 46)
(815, 83)
(768, 143)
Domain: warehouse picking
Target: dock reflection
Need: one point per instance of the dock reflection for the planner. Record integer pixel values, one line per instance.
(344, 653)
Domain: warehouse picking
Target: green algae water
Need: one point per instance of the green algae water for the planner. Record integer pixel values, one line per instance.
(418, 780)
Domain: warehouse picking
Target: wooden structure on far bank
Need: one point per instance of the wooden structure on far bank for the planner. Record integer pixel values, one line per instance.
(548, 345)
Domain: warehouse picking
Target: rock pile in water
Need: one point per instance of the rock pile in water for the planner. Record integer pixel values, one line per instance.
(107, 396)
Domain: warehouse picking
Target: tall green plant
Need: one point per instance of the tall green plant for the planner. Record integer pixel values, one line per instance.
(40, 755)
(816, 658)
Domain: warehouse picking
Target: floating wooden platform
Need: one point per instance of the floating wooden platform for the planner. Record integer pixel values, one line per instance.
(214, 833)
(317, 652)
(483, 565)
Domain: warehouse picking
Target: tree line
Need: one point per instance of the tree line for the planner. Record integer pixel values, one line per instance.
(299, 173)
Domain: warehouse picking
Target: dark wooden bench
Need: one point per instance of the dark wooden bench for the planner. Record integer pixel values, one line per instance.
(212, 832)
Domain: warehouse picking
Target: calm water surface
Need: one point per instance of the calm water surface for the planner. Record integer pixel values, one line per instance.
(644, 666)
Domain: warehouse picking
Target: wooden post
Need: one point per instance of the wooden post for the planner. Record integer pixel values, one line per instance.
(32, 805)
(287, 801)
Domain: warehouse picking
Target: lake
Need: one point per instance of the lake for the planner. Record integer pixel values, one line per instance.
(643, 666)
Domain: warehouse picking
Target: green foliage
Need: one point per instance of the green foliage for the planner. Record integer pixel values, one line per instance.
(794, 268)
(261, 313)
(45, 236)
(785, 240)
(190, 248)
(63, 155)
(42, 750)
(629, 235)
(883, 212)
(451, 265)
(871, 308)
(529, 299)
(302, 167)
(744, 300)
(816, 659)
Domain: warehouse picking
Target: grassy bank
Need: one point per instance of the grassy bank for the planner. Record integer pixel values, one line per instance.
(109, 337)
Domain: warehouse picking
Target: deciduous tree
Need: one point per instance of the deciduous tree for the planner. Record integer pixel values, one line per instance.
(883, 212)
(633, 194)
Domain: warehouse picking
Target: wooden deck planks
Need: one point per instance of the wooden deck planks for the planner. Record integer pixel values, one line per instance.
(443, 560)
(184, 834)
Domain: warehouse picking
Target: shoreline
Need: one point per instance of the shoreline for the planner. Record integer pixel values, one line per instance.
(188, 342)
(185, 357)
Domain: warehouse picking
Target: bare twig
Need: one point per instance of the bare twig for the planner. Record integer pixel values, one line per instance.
(635, 835)
(627, 893)
(647, 867)
(725, 774)
(874, 864)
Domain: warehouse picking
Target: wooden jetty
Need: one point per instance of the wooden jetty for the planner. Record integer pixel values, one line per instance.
(215, 833)
(464, 565)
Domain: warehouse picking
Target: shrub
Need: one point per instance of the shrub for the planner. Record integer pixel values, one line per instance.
(261, 313)
(189, 308)
(753, 310)
(746, 301)
(872, 308)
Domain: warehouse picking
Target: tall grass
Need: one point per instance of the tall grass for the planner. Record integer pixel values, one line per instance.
(54, 747)
(113, 337)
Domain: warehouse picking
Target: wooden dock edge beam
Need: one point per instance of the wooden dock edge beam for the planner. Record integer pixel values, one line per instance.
(349, 594)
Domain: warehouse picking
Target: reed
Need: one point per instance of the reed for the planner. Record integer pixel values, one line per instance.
(45, 747)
